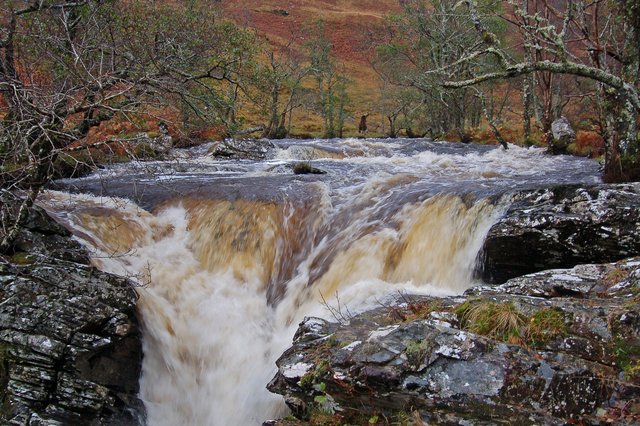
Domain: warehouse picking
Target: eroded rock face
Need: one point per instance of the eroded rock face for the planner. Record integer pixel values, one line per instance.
(70, 349)
(562, 227)
(434, 358)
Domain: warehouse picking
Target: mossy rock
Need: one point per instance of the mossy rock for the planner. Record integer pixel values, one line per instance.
(145, 151)
(22, 258)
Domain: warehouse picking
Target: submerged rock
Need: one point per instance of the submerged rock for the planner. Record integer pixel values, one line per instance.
(562, 227)
(549, 348)
(70, 348)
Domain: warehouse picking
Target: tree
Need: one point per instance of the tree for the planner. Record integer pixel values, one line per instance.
(68, 66)
(596, 40)
(331, 83)
(427, 36)
(280, 79)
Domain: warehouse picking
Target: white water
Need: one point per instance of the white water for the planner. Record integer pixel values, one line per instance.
(212, 332)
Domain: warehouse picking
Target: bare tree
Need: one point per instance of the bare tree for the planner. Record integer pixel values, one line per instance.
(67, 66)
(598, 40)
(331, 83)
(281, 79)
(430, 35)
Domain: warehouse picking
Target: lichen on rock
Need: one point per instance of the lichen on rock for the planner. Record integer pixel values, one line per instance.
(70, 348)
(566, 360)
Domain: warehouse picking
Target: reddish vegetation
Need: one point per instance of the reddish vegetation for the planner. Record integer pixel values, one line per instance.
(346, 23)
(589, 143)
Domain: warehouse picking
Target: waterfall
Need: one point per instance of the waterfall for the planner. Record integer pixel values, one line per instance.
(226, 274)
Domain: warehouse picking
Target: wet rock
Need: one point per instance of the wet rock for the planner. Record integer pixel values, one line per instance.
(561, 362)
(562, 227)
(563, 135)
(242, 149)
(307, 169)
(70, 349)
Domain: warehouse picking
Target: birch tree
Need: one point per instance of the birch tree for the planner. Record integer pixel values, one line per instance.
(597, 40)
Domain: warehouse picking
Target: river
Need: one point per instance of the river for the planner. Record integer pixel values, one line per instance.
(229, 256)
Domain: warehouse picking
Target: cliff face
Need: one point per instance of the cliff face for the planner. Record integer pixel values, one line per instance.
(70, 348)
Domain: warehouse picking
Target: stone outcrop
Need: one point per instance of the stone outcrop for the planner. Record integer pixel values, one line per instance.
(562, 227)
(242, 149)
(557, 347)
(563, 135)
(70, 349)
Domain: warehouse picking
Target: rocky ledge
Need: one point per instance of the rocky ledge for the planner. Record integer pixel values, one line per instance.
(562, 227)
(556, 347)
(70, 348)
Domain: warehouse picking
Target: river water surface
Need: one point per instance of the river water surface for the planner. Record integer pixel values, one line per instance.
(231, 255)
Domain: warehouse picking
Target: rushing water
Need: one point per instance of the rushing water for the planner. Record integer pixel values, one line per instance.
(231, 255)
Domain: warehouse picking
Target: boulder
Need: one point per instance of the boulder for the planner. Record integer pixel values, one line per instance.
(242, 149)
(70, 343)
(550, 348)
(562, 227)
(305, 168)
(563, 135)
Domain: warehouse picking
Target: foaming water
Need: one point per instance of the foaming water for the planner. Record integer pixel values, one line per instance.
(228, 264)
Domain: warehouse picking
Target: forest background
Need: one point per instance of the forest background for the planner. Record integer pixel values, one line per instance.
(81, 80)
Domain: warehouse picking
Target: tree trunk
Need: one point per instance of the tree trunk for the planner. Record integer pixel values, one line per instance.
(392, 126)
(621, 142)
(526, 108)
(273, 126)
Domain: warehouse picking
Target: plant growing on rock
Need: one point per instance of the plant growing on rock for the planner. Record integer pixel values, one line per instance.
(544, 325)
(500, 321)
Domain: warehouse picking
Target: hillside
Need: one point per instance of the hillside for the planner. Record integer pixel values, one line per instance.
(348, 24)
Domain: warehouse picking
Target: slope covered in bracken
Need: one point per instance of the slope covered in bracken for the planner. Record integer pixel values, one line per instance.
(346, 21)
(350, 25)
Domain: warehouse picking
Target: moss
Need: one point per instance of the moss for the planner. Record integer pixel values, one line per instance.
(22, 258)
(614, 276)
(632, 370)
(316, 376)
(545, 325)
(422, 310)
(306, 382)
(145, 151)
(416, 350)
(332, 341)
(627, 355)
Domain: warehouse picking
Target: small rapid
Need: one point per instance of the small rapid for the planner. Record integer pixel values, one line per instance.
(229, 256)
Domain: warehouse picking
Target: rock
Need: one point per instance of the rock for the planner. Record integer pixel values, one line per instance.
(70, 348)
(304, 168)
(244, 149)
(163, 142)
(564, 358)
(563, 136)
(281, 12)
(562, 227)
